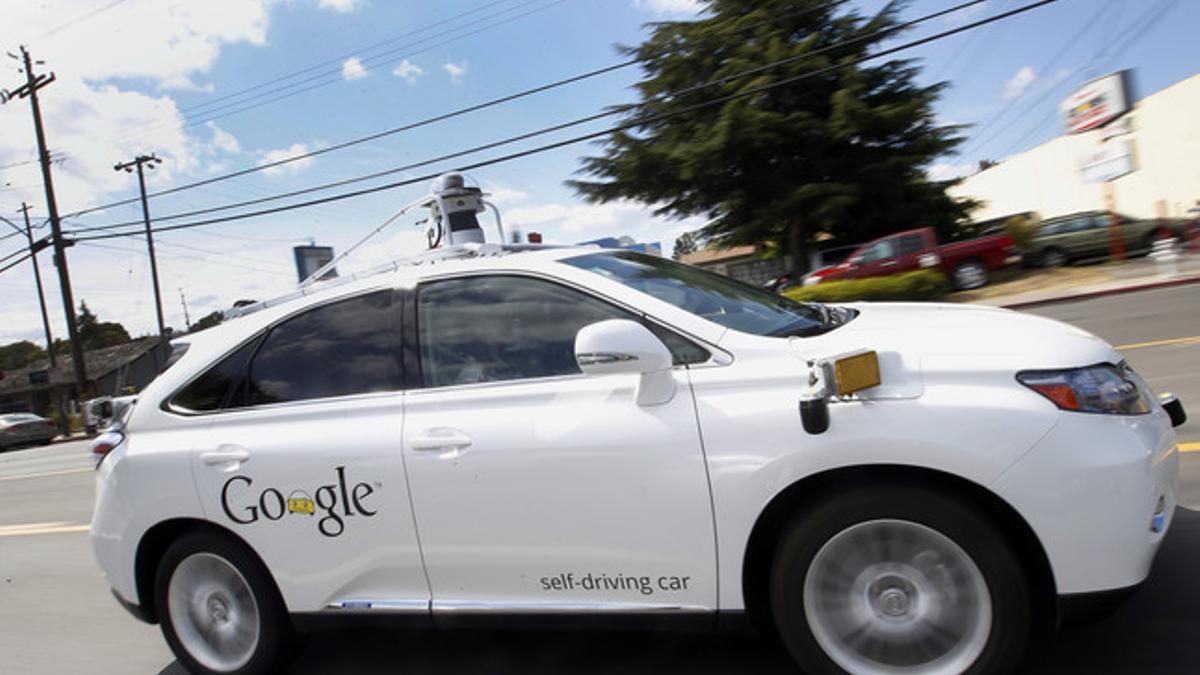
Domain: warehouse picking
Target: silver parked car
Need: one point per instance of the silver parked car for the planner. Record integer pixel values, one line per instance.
(25, 429)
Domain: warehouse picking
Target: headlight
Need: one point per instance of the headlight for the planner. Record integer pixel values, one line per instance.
(1104, 388)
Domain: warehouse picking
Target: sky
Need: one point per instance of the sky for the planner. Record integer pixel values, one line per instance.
(215, 86)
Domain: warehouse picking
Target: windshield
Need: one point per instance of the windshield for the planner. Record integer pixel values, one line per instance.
(717, 298)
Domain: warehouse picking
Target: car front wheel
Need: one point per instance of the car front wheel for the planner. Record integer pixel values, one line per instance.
(898, 579)
(219, 609)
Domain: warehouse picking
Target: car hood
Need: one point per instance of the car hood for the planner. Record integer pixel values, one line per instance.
(979, 334)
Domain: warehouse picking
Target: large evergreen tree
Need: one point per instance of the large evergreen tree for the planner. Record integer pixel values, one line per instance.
(842, 151)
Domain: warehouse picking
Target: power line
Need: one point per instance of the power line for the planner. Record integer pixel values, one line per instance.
(980, 135)
(526, 136)
(1135, 32)
(427, 121)
(339, 59)
(337, 77)
(590, 136)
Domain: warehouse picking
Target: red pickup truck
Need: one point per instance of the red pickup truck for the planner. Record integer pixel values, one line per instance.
(967, 263)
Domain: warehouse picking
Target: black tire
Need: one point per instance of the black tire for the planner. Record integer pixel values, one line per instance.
(970, 274)
(271, 651)
(1007, 635)
(1052, 257)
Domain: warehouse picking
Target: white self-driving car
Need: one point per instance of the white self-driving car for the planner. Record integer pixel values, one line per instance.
(492, 432)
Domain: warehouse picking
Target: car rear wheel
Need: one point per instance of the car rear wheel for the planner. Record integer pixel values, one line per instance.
(1053, 257)
(218, 608)
(898, 579)
(970, 274)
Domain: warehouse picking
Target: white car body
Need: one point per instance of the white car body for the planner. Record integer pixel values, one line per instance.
(563, 494)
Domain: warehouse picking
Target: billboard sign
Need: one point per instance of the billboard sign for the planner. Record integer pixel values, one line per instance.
(309, 259)
(1097, 103)
(1108, 162)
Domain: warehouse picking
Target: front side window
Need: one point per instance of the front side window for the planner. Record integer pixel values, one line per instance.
(880, 251)
(342, 348)
(495, 328)
(719, 299)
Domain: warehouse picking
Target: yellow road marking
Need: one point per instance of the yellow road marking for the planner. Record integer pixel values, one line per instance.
(40, 528)
(1195, 339)
(1189, 447)
(46, 473)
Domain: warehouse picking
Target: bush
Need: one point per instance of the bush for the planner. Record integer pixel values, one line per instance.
(919, 285)
(1022, 229)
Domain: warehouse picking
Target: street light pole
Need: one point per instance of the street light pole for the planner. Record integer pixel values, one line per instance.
(149, 161)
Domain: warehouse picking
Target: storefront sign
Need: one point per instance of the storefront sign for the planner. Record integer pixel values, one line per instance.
(1096, 103)
(1109, 161)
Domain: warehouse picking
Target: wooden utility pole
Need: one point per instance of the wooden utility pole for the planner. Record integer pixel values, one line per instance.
(128, 167)
(30, 90)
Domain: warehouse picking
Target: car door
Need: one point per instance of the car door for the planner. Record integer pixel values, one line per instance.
(1094, 235)
(303, 461)
(877, 259)
(535, 487)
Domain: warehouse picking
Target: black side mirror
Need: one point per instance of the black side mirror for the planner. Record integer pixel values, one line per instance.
(814, 414)
(1174, 408)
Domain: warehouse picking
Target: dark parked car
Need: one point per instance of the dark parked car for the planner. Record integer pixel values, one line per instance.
(1063, 239)
(25, 429)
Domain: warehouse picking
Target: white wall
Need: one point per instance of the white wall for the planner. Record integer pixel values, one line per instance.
(1046, 179)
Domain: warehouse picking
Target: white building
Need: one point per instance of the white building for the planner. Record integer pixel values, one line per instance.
(1160, 136)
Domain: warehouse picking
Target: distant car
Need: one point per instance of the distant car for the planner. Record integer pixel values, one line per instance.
(967, 263)
(25, 429)
(1076, 236)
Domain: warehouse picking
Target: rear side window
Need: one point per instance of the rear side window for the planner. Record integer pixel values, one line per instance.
(911, 243)
(346, 347)
(207, 392)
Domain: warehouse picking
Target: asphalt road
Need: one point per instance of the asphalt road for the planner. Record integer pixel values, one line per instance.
(56, 614)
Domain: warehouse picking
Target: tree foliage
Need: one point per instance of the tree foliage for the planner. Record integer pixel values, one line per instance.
(839, 151)
(209, 320)
(96, 334)
(685, 244)
(20, 354)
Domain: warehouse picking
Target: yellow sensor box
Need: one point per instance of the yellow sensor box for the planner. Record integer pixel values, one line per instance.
(857, 372)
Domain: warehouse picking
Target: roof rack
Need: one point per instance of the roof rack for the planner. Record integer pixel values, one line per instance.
(430, 257)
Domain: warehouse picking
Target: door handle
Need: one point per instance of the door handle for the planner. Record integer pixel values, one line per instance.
(441, 439)
(225, 454)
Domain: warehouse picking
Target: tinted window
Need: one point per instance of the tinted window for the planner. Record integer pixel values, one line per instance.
(911, 243)
(717, 298)
(487, 329)
(345, 347)
(208, 391)
(879, 251)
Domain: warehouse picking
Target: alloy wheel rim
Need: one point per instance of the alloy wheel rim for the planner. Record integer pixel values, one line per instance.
(894, 596)
(970, 276)
(213, 612)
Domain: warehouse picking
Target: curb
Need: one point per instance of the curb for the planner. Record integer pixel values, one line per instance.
(1150, 285)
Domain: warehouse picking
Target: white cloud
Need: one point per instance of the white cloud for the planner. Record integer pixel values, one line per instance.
(1020, 82)
(342, 6)
(505, 196)
(352, 69)
(456, 71)
(940, 171)
(185, 83)
(408, 71)
(223, 140)
(670, 6)
(92, 120)
(291, 168)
